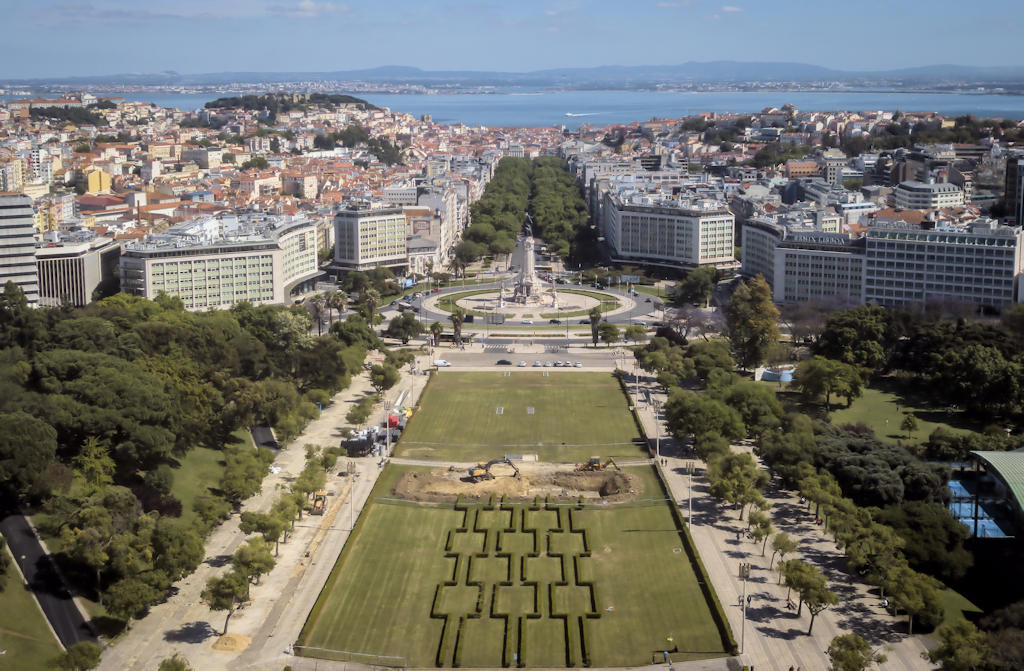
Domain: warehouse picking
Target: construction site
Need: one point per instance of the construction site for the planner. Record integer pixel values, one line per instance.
(518, 480)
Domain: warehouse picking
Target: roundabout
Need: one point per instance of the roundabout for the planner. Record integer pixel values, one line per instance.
(563, 303)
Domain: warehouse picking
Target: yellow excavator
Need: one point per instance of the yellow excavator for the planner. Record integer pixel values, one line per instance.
(482, 471)
(594, 464)
(319, 502)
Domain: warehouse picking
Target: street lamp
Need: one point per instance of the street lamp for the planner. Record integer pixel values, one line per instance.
(745, 574)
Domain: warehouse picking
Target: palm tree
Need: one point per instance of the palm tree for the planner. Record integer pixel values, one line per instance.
(370, 298)
(337, 300)
(457, 316)
(436, 329)
(595, 320)
(318, 304)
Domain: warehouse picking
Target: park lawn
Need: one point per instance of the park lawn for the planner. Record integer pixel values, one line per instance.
(24, 633)
(883, 411)
(199, 471)
(956, 606)
(380, 594)
(575, 416)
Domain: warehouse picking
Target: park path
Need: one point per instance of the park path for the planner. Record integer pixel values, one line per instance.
(280, 603)
(774, 638)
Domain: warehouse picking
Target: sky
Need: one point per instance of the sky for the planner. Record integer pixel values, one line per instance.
(51, 38)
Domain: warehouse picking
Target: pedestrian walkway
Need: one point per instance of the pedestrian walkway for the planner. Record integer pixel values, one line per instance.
(774, 637)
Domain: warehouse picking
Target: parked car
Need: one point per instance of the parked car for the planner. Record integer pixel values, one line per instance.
(441, 363)
(554, 321)
(578, 364)
(521, 364)
(503, 362)
(537, 364)
(548, 364)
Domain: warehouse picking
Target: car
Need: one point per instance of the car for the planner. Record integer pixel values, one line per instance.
(558, 364)
(640, 322)
(503, 362)
(435, 291)
(521, 364)
(548, 364)
(554, 321)
(583, 321)
(441, 363)
(417, 295)
(394, 302)
(528, 321)
(578, 364)
(537, 364)
(647, 300)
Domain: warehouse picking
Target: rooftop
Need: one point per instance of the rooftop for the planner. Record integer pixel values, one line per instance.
(1009, 467)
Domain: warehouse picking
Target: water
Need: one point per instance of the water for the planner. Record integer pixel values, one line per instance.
(600, 108)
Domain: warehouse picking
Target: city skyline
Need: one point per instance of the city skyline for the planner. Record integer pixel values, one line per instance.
(107, 37)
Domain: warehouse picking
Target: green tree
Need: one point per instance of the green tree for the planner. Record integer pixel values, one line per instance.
(918, 595)
(436, 329)
(27, 446)
(698, 285)
(595, 317)
(175, 663)
(404, 327)
(225, 593)
(635, 333)
(130, 596)
(5, 563)
(271, 526)
(850, 652)
(736, 478)
(818, 597)
(820, 377)
(369, 298)
(860, 336)
(383, 377)
(752, 322)
(962, 647)
(457, 317)
(93, 462)
(761, 528)
(782, 545)
(253, 559)
(609, 333)
(909, 424)
(81, 656)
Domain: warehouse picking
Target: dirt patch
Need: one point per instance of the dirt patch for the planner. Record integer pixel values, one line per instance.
(232, 643)
(558, 482)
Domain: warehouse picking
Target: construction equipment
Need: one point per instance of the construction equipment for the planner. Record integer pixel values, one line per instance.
(594, 464)
(482, 471)
(319, 503)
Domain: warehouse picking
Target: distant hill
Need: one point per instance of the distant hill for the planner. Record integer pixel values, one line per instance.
(608, 75)
(283, 102)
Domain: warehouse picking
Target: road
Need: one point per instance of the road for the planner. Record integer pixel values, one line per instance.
(41, 575)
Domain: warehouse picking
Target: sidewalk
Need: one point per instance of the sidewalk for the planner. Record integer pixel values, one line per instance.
(774, 638)
(279, 604)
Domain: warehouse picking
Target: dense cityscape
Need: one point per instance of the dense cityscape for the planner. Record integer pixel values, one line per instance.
(299, 380)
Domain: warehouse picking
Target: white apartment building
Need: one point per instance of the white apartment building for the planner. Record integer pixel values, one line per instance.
(70, 270)
(400, 193)
(666, 231)
(977, 264)
(914, 195)
(817, 266)
(18, 245)
(367, 235)
(217, 262)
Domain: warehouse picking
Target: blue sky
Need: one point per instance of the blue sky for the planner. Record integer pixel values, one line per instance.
(83, 37)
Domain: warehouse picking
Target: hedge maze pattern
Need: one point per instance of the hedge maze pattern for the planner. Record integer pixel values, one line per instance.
(522, 570)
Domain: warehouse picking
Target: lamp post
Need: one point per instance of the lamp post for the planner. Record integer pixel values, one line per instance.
(744, 573)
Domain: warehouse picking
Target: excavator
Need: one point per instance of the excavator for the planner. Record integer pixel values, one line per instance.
(594, 464)
(319, 502)
(482, 471)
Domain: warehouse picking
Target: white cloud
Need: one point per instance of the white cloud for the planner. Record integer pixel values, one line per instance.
(731, 9)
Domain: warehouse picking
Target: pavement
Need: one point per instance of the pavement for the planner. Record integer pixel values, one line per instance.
(775, 638)
(279, 604)
(63, 615)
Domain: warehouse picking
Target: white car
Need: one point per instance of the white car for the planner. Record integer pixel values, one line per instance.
(528, 321)
(521, 364)
(441, 363)
(578, 364)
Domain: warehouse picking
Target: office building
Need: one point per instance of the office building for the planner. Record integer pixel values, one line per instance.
(217, 262)
(1014, 191)
(914, 195)
(18, 245)
(73, 267)
(367, 235)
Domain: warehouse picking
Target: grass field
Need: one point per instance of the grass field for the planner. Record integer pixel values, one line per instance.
(200, 469)
(883, 410)
(575, 416)
(23, 631)
(547, 586)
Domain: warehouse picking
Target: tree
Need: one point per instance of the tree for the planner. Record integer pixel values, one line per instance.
(271, 526)
(688, 414)
(404, 327)
(370, 299)
(962, 647)
(635, 333)
(761, 528)
(736, 478)
(595, 317)
(818, 597)
(752, 322)
(253, 559)
(818, 377)
(81, 656)
(782, 545)
(225, 593)
(5, 563)
(175, 663)
(383, 377)
(27, 446)
(608, 332)
(93, 462)
(130, 596)
(698, 285)
(918, 595)
(457, 317)
(909, 423)
(468, 251)
(850, 652)
(436, 329)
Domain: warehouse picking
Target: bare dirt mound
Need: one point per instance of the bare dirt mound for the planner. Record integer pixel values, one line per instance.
(558, 482)
(232, 643)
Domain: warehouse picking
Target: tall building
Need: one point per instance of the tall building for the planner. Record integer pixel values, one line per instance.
(18, 245)
(217, 262)
(71, 270)
(668, 231)
(1014, 192)
(367, 235)
(914, 195)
